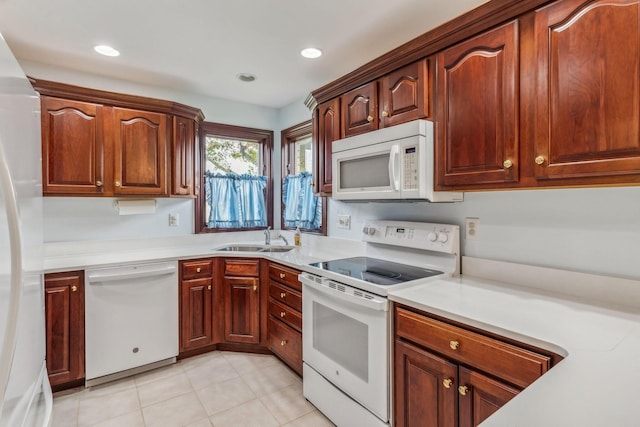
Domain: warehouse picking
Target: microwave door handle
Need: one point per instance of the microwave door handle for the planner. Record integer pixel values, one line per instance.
(394, 170)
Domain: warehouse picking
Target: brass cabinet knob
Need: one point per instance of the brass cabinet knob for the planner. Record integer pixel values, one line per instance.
(282, 275)
(369, 119)
(74, 288)
(117, 184)
(539, 160)
(283, 343)
(255, 287)
(282, 314)
(454, 344)
(198, 270)
(507, 164)
(98, 183)
(447, 382)
(283, 294)
(463, 390)
(385, 114)
(209, 287)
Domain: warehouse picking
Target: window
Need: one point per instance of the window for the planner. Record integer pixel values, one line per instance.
(300, 208)
(236, 187)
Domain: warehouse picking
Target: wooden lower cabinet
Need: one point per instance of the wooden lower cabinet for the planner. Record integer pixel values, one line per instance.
(448, 376)
(241, 289)
(196, 304)
(64, 314)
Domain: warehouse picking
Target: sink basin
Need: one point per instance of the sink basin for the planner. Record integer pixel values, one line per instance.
(255, 248)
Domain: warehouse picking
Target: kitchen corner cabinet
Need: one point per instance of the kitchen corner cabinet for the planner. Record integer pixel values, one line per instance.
(447, 376)
(477, 119)
(185, 137)
(64, 326)
(285, 315)
(196, 304)
(327, 130)
(242, 302)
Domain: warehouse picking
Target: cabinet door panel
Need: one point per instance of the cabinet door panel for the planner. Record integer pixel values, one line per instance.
(359, 110)
(184, 140)
(242, 310)
(404, 94)
(478, 115)
(328, 130)
(140, 144)
(195, 314)
(64, 309)
(421, 398)
(484, 396)
(588, 90)
(72, 147)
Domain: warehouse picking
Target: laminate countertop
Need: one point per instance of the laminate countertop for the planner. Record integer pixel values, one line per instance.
(596, 382)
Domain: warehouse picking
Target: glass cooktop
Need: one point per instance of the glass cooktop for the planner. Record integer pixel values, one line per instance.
(377, 271)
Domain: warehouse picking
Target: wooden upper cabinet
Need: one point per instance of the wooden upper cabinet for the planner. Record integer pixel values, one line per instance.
(140, 152)
(327, 130)
(360, 110)
(184, 142)
(477, 119)
(72, 147)
(588, 92)
(404, 94)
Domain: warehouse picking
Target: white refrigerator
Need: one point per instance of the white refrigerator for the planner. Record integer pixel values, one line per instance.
(25, 394)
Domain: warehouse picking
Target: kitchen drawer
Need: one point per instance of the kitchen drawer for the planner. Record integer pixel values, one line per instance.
(285, 295)
(242, 267)
(285, 275)
(197, 268)
(286, 343)
(508, 362)
(286, 314)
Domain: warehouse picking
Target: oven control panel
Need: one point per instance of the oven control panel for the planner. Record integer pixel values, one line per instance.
(419, 235)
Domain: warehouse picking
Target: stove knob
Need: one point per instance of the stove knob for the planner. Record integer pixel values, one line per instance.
(443, 237)
(433, 236)
(371, 231)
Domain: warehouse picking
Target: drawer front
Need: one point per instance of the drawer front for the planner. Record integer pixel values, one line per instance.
(286, 295)
(510, 363)
(286, 343)
(197, 268)
(286, 314)
(242, 267)
(285, 275)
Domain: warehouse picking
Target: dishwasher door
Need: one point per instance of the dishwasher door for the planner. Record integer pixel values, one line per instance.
(131, 317)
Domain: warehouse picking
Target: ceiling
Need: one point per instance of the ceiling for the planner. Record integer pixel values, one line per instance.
(200, 46)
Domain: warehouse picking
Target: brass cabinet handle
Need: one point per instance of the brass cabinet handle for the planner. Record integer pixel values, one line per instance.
(463, 390)
(507, 164)
(282, 275)
(385, 114)
(74, 288)
(454, 344)
(539, 160)
(283, 342)
(98, 183)
(447, 382)
(255, 287)
(198, 270)
(369, 119)
(282, 314)
(209, 287)
(117, 184)
(283, 294)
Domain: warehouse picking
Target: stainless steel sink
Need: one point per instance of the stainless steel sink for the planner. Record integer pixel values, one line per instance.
(255, 248)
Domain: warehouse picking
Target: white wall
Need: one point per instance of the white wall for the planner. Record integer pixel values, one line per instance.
(593, 230)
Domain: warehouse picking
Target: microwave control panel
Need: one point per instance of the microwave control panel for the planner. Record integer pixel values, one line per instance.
(410, 168)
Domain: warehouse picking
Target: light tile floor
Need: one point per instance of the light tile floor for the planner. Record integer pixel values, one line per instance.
(219, 389)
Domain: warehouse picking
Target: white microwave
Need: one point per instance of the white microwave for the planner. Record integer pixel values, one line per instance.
(394, 163)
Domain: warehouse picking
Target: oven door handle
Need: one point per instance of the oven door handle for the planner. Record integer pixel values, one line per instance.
(377, 303)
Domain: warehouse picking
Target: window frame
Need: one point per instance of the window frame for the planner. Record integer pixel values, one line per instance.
(288, 138)
(261, 136)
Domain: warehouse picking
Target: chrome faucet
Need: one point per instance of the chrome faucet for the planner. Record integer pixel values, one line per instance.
(284, 239)
(267, 236)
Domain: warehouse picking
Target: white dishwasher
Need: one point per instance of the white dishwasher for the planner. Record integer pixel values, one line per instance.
(131, 319)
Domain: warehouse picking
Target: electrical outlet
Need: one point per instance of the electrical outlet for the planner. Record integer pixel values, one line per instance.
(173, 220)
(472, 228)
(344, 221)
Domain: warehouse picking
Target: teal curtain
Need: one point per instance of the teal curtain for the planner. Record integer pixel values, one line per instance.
(235, 201)
(301, 208)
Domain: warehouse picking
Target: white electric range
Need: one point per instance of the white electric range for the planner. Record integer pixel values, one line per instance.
(346, 320)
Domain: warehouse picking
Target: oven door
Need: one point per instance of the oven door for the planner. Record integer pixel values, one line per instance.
(345, 339)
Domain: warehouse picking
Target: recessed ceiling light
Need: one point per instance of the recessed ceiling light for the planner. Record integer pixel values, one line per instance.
(311, 52)
(246, 77)
(106, 50)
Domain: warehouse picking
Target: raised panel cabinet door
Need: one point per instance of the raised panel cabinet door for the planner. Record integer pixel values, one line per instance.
(404, 94)
(64, 314)
(72, 147)
(588, 89)
(184, 141)
(196, 304)
(425, 385)
(480, 396)
(360, 110)
(140, 151)
(328, 130)
(477, 136)
(242, 310)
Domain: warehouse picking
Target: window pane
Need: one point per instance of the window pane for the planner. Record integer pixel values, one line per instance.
(303, 160)
(232, 156)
